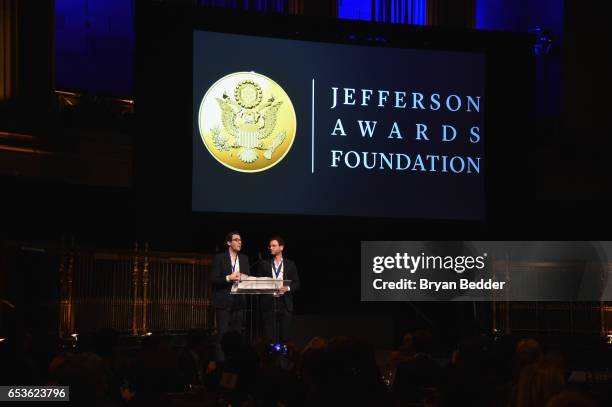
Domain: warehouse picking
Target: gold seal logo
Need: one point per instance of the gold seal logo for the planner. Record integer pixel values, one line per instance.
(253, 129)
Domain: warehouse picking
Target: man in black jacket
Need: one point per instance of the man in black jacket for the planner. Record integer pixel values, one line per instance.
(228, 266)
(277, 310)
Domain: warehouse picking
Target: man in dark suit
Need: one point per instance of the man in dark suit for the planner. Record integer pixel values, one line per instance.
(277, 310)
(228, 266)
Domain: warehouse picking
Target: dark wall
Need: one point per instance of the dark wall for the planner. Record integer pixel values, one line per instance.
(539, 186)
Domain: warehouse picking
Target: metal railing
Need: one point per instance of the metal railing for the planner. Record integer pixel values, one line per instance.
(133, 292)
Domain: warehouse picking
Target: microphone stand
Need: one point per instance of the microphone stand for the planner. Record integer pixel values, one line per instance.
(259, 259)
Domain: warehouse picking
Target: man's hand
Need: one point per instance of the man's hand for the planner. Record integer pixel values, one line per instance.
(283, 290)
(235, 276)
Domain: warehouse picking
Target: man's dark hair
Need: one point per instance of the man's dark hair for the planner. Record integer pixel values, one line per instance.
(230, 235)
(280, 240)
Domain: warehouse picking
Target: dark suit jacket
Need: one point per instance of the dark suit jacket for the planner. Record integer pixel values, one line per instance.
(290, 272)
(222, 267)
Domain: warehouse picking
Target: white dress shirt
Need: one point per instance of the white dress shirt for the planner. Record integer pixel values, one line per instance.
(273, 264)
(237, 268)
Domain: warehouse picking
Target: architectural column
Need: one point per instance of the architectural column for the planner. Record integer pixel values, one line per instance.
(8, 38)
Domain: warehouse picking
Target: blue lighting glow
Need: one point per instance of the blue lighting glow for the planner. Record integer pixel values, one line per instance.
(520, 15)
(391, 11)
(274, 6)
(94, 46)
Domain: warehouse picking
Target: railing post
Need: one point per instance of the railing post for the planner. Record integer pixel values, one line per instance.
(70, 278)
(145, 288)
(135, 291)
(62, 328)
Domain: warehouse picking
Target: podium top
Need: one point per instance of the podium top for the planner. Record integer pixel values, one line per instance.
(258, 285)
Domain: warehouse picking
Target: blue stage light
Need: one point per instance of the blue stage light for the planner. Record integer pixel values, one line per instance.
(543, 41)
(390, 11)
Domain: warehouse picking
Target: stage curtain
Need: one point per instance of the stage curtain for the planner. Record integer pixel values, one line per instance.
(400, 11)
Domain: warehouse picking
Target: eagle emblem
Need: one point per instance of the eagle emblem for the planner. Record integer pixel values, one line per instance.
(247, 123)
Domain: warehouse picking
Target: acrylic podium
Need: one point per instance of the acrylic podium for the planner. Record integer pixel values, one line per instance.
(253, 287)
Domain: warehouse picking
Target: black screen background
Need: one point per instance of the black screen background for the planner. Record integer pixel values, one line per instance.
(289, 187)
